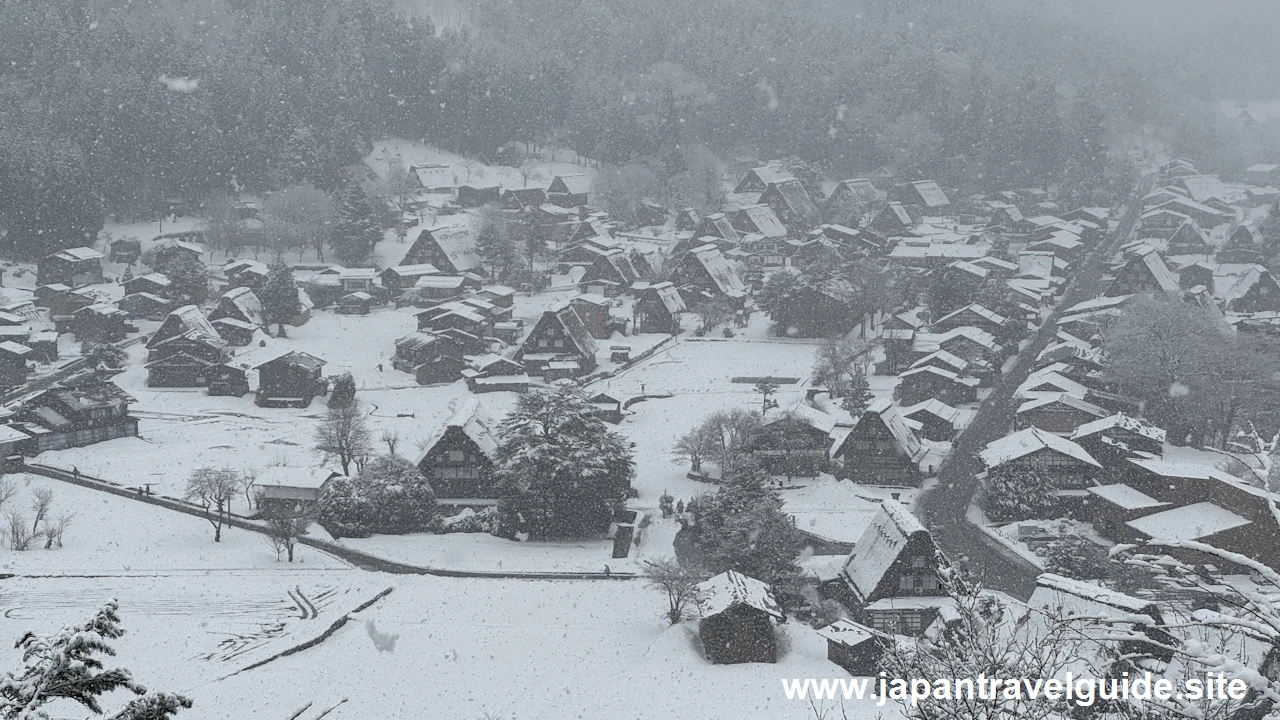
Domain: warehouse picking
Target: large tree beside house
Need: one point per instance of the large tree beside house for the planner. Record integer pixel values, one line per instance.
(743, 527)
(389, 496)
(279, 296)
(356, 229)
(563, 472)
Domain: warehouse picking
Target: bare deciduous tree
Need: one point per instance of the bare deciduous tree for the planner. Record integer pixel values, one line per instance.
(213, 489)
(345, 436)
(53, 530)
(41, 502)
(20, 538)
(392, 439)
(680, 583)
(285, 524)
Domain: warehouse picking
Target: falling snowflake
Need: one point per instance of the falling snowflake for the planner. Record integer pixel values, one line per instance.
(179, 84)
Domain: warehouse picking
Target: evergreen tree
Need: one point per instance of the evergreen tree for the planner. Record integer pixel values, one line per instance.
(497, 249)
(68, 666)
(389, 496)
(743, 527)
(859, 397)
(565, 470)
(343, 393)
(1019, 494)
(190, 279)
(357, 229)
(279, 296)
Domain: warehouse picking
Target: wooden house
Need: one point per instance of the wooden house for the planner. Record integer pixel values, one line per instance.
(1145, 272)
(855, 647)
(154, 283)
(187, 360)
(494, 373)
(356, 303)
(81, 411)
(1188, 239)
(881, 449)
(171, 250)
(451, 249)
(1117, 620)
(716, 225)
(1033, 450)
(44, 346)
(474, 196)
(705, 271)
(651, 213)
(893, 219)
(146, 306)
(236, 332)
(180, 322)
(738, 617)
(239, 303)
(1262, 174)
(458, 460)
(613, 266)
(100, 322)
(73, 267)
(892, 574)
(399, 278)
(607, 407)
(289, 487)
(687, 219)
(793, 443)
(658, 309)
(758, 220)
(1058, 413)
(757, 179)
(924, 194)
(523, 199)
(246, 273)
(420, 347)
(793, 206)
(1135, 434)
(936, 419)
(928, 382)
(850, 201)
(559, 337)
(455, 315)
(593, 310)
(569, 190)
(13, 363)
(289, 380)
(971, 315)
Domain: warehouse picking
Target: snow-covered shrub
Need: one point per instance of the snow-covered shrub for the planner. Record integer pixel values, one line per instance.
(389, 497)
(471, 521)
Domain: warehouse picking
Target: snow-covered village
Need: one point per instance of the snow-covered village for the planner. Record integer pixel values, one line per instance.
(554, 360)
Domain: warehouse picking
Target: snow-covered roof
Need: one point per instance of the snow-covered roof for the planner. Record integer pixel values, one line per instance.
(810, 416)
(988, 315)
(1189, 522)
(1189, 470)
(935, 407)
(439, 281)
(731, 589)
(721, 272)
(931, 193)
(848, 633)
(1134, 425)
(1050, 376)
(958, 364)
(1125, 497)
(1093, 593)
(904, 251)
(765, 220)
(1100, 303)
(293, 477)
(1063, 398)
(898, 427)
(880, 545)
(1028, 441)
(78, 253)
(1204, 187)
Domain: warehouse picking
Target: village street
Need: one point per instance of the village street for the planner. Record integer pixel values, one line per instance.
(944, 507)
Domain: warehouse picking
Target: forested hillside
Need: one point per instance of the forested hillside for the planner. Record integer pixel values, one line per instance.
(113, 107)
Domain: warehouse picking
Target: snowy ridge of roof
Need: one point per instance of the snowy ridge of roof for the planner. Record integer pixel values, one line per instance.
(1028, 441)
(1134, 425)
(1064, 398)
(731, 589)
(293, 477)
(1089, 591)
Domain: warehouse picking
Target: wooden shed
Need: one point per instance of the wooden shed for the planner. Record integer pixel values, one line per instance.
(738, 618)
